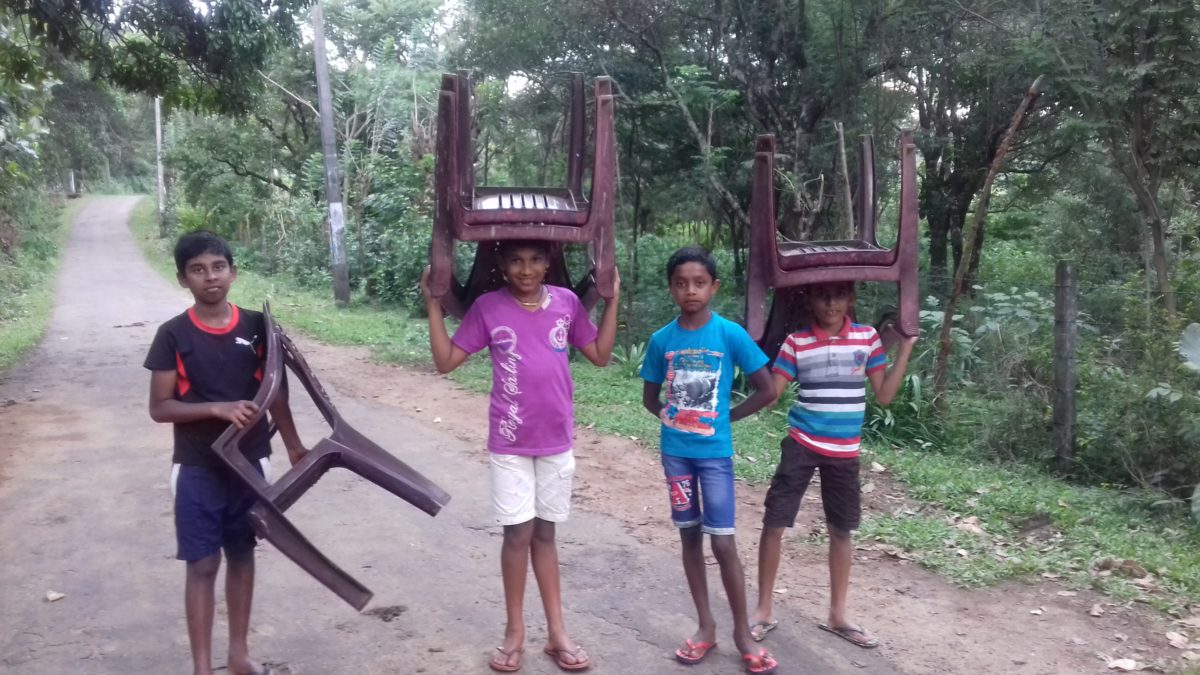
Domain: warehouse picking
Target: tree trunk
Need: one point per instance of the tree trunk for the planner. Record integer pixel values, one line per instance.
(1145, 192)
(941, 370)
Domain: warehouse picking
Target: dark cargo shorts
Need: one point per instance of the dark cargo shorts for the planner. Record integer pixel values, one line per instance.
(839, 487)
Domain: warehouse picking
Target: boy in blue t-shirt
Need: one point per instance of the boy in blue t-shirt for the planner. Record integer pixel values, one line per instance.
(695, 356)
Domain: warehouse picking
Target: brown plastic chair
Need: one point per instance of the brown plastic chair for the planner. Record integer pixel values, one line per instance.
(789, 267)
(344, 447)
(560, 215)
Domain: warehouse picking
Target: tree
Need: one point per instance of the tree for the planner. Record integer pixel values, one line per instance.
(1129, 71)
(964, 64)
(202, 54)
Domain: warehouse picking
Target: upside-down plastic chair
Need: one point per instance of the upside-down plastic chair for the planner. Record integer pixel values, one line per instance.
(788, 267)
(560, 215)
(344, 447)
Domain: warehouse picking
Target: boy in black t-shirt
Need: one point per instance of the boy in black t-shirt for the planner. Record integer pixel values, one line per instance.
(206, 369)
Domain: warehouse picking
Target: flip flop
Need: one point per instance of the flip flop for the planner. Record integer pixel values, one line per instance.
(266, 670)
(759, 630)
(762, 664)
(686, 656)
(503, 666)
(557, 655)
(851, 634)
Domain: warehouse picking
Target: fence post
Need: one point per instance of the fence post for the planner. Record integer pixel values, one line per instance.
(1065, 296)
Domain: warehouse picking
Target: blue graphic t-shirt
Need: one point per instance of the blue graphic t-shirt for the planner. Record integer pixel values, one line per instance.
(695, 368)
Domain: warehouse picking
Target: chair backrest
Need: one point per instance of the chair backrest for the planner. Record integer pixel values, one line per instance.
(461, 130)
(866, 199)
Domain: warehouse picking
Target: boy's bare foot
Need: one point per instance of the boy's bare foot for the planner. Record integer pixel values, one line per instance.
(744, 640)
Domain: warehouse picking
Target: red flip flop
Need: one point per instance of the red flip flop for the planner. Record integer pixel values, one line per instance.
(689, 657)
(762, 664)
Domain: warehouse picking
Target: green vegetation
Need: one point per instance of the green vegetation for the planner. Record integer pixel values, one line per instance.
(385, 329)
(27, 278)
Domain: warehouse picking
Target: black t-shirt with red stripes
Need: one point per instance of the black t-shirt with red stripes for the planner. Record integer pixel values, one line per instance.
(213, 365)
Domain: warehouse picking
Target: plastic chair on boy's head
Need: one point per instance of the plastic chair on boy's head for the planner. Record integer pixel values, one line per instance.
(559, 215)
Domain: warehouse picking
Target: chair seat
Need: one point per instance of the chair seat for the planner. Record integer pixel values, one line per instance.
(803, 255)
(525, 200)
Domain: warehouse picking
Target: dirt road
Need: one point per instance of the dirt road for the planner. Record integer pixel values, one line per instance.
(85, 511)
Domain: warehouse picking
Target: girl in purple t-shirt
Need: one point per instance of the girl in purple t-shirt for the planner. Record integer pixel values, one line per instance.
(528, 327)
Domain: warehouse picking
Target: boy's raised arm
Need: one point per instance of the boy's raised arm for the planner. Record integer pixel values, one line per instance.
(600, 351)
(763, 396)
(446, 356)
(886, 385)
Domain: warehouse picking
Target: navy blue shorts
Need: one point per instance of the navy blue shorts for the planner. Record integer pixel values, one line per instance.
(211, 509)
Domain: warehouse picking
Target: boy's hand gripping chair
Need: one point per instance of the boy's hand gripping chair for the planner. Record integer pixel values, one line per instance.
(788, 267)
(560, 215)
(344, 448)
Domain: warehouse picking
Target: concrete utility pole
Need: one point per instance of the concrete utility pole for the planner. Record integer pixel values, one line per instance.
(333, 179)
(162, 186)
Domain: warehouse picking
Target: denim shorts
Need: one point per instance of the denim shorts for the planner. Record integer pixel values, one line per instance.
(211, 512)
(701, 492)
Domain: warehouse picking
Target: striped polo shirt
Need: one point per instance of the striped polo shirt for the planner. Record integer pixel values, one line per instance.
(832, 370)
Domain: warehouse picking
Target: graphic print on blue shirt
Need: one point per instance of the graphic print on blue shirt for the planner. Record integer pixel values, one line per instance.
(693, 390)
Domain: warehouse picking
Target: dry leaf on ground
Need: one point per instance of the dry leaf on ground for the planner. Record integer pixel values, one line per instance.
(972, 528)
(1177, 640)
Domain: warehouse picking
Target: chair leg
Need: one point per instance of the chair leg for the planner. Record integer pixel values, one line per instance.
(909, 324)
(788, 313)
(362, 456)
(275, 528)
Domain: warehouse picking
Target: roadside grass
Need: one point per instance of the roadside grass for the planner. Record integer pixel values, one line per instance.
(27, 281)
(1031, 525)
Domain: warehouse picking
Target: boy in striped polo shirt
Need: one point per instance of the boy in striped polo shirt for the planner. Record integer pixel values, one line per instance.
(831, 360)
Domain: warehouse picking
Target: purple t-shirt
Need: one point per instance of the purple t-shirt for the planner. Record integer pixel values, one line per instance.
(532, 408)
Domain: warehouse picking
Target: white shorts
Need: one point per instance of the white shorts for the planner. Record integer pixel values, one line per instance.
(524, 488)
